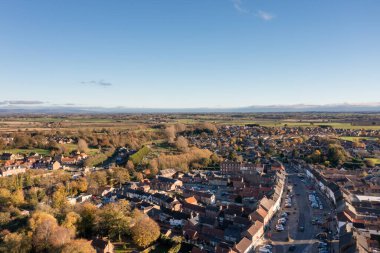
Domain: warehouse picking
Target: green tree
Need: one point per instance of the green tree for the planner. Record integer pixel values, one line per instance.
(114, 220)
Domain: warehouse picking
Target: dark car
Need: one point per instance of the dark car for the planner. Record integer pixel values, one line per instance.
(292, 248)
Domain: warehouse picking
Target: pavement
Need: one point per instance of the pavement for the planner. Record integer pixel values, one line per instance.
(305, 241)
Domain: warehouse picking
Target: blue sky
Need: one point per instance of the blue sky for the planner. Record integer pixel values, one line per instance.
(194, 53)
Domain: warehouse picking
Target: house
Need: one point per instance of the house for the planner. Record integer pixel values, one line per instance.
(168, 173)
(161, 183)
(7, 157)
(166, 201)
(260, 214)
(54, 166)
(232, 234)
(255, 232)
(102, 246)
(244, 246)
(191, 200)
(68, 161)
(12, 170)
(233, 168)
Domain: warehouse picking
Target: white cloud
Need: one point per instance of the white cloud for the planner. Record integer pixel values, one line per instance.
(238, 5)
(98, 83)
(265, 15)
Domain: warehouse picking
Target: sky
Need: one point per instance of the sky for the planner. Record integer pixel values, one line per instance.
(189, 54)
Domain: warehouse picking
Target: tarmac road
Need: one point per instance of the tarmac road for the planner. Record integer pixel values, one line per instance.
(304, 241)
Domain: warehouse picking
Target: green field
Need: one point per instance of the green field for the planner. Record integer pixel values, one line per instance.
(375, 160)
(70, 148)
(26, 151)
(353, 138)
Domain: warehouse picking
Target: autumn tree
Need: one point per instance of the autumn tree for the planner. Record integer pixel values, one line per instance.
(17, 197)
(370, 163)
(78, 246)
(59, 197)
(71, 221)
(5, 217)
(114, 220)
(89, 216)
(119, 176)
(145, 231)
(182, 144)
(82, 146)
(5, 197)
(170, 133)
(16, 243)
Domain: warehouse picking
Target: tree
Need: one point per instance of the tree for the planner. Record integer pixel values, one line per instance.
(82, 146)
(370, 163)
(5, 217)
(17, 197)
(59, 198)
(120, 176)
(78, 246)
(89, 215)
(5, 197)
(145, 231)
(60, 237)
(71, 221)
(170, 133)
(39, 217)
(336, 154)
(42, 234)
(16, 243)
(139, 176)
(114, 220)
(182, 144)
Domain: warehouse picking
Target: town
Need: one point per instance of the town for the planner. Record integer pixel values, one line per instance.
(198, 186)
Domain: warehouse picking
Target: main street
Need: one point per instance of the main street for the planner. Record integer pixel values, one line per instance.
(300, 214)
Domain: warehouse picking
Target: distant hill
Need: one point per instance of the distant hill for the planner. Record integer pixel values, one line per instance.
(374, 107)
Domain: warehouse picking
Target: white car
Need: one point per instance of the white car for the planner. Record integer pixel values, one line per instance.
(279, 227)
(321, 207)
(268, 246)
(264, 250)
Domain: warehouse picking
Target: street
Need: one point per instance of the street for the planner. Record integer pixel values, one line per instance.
(300, 214)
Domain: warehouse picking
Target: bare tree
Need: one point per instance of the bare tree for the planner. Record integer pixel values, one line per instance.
(182, 144)
(82, 145)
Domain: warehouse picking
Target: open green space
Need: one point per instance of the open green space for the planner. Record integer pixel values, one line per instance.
(26, 151)
(375, 160)
(354, 138)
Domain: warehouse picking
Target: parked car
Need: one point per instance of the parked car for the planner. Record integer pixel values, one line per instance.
(264, 250)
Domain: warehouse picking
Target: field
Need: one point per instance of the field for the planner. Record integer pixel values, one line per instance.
(69, 147)
(353, 139)
(141, 122)
(26, 151)
(375, 160)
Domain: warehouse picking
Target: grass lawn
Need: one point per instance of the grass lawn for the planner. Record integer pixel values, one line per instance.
(353, 138)
(26, 151)
(375, 160)
(71, 146)
(129, 247)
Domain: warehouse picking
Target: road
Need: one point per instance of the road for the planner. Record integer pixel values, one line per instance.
(303, 241)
